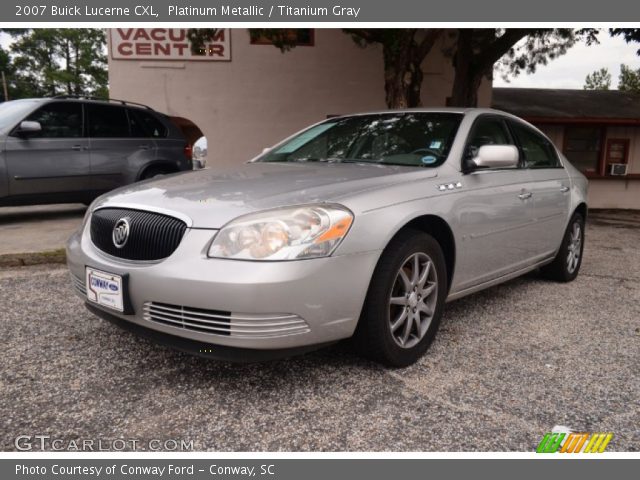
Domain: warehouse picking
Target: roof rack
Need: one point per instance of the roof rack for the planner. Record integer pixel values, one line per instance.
(115, 100)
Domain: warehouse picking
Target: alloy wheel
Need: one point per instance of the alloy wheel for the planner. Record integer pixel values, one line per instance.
(413, 300)
(574, 247)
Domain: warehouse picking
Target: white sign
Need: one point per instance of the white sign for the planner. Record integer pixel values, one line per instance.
(166, 44)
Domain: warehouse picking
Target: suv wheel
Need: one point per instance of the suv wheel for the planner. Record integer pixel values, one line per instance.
(405, 300)
(153, 172)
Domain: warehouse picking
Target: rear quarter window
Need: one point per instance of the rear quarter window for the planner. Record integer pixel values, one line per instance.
(537, 151)
(145, 124)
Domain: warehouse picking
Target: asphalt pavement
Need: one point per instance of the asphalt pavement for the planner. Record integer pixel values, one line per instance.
(508, 365)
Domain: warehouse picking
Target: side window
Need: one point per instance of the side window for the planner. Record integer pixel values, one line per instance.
(536, 150)
(144, 124)
(107, 121)
(58, 120)
(487, 131)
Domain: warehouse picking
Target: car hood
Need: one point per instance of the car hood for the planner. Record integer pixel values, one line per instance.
(213, 197)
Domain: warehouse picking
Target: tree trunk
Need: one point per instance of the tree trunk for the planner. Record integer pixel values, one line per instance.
(468, 76)
(403, 71)
(402, 85)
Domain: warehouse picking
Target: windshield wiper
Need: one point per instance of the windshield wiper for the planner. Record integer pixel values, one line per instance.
(318, 159)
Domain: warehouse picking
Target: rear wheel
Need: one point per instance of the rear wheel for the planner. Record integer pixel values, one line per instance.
(405, 300)
(566, 265)
(153, 172)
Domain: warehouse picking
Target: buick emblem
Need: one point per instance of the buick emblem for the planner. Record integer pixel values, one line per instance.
(120, 233)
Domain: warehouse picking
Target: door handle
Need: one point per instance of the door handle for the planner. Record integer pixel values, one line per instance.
(78, 148)
(564, 189)
(525, 195)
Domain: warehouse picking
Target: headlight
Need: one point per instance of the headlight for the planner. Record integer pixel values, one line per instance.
(283, 234)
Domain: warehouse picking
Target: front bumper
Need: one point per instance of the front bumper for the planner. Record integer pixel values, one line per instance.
(273, 306)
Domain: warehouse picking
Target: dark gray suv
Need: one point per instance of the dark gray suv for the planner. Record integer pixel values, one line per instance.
(66, 149)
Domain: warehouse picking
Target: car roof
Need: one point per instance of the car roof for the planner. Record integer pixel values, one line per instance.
(74, 98)
(458, 110)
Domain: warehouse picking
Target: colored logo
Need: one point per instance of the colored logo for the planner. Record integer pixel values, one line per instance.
(120, 233)
(574, 442)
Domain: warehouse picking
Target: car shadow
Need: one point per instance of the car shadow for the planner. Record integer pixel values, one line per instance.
(40, 213)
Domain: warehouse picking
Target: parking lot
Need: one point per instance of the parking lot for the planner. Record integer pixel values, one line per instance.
(508, 365)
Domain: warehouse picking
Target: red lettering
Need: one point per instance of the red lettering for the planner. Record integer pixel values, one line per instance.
(143, 48)
(159, 34)
(141, 33)
(124, 33)
(215, 50)
(162, 49)
(181, 47)
(219, 36)
(124, 49)
(177, 34)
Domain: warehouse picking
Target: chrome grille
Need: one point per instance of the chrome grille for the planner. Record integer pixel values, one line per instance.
(79, 285)
(152, 236)
(216, 322)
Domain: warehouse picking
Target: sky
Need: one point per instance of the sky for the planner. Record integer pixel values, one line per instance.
(568, 71)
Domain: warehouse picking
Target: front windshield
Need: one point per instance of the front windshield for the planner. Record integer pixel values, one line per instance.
(417, 139)
(14, 111)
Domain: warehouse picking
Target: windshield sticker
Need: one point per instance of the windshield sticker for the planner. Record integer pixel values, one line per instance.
(435, 144)
(304, 138)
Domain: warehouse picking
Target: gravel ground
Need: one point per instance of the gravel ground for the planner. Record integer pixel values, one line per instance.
(508, 364)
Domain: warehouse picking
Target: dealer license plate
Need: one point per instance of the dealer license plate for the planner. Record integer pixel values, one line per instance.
(105, 289)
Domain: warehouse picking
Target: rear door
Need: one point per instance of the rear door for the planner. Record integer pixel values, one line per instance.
(115, 153)
(54, 160)
(550, 188)
(495, 212)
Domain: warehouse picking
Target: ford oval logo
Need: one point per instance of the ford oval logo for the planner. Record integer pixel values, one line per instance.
(120, 233)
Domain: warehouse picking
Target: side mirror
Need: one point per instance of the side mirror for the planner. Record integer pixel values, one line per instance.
(496, 156)
(27, 128)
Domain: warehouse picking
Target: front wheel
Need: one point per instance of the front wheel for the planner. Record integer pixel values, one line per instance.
(566, 265)
(405, 300)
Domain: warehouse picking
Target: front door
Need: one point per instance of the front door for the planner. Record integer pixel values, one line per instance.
(495, 213)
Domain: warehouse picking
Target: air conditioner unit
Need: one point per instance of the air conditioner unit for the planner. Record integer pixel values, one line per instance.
(618, 168)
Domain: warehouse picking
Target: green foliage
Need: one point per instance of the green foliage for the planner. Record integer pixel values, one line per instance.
(48, 62)
(598, 80)
(629, 79)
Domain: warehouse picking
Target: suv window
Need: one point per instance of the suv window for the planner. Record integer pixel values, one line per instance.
(487, 131)
(58, 120)
(536, 150)
(144, 124)
(107, 121)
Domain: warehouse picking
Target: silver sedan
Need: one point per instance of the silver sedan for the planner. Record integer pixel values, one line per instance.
(360, 226)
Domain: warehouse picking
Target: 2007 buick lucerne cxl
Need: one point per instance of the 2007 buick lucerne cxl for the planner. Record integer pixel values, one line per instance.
(360, 226)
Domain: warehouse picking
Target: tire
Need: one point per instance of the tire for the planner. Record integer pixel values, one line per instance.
(566, 265)
(153, 172)
(382, 333)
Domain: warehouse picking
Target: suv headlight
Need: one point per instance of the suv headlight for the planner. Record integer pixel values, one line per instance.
(283, 234)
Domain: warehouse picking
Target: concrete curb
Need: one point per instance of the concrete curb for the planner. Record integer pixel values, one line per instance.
(33, 258)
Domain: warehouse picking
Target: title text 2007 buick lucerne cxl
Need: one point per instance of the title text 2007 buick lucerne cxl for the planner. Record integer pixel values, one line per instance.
(360, 226)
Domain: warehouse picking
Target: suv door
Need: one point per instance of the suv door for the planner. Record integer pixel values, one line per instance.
(115, 154)
(54, 160)
(550, 188)
(494, 212)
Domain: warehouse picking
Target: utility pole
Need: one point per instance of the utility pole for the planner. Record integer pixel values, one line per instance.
(4, 87)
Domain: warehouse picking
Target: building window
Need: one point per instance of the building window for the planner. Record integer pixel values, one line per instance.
(583, 147)
(617, 151)
(300, 37)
